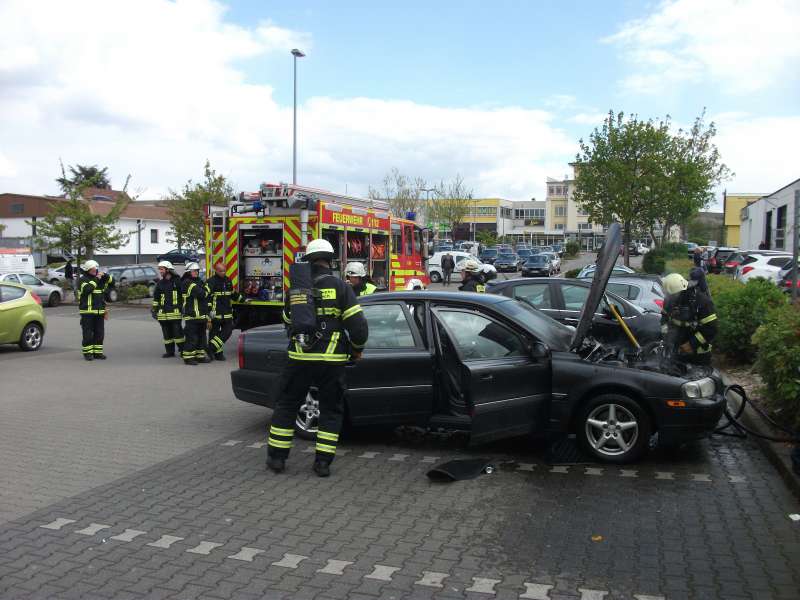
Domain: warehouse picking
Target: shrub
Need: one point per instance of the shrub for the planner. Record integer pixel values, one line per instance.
(126, 293)
(674, 250)
(654, 262)
(719, 284)
(778, 362)
(740, 311)
(572, 273)
(572, 249)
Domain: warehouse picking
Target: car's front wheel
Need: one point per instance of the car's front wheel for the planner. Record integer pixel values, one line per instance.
(31, 338)
(307, 421)
(54, 299)
(435, 277)
(112, 295)
(151, 290)
(614, 428)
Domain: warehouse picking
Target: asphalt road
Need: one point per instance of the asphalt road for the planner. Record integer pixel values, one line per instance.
(140, 477)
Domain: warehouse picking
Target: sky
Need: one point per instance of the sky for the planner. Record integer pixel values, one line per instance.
(497, 92)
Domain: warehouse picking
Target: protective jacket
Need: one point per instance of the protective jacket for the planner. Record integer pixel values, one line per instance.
(365, 288)
(221, 294)
(342, 325)
(168, 299)
(473, 283)
(92, 294)
(195, 300)
(690, 317)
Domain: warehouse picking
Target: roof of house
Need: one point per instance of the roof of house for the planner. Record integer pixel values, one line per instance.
(37, 206)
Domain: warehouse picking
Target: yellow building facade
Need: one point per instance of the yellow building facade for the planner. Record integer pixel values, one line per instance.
(733, 204)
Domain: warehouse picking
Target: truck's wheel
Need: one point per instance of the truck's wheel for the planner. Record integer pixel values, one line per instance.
(614, 428)
(435, 277)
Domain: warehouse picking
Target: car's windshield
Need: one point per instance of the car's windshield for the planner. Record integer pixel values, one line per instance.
(549, 331)
(507, 256)
(537, 259)
(490, 252)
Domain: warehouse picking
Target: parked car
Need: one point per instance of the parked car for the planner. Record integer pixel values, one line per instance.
(131, 275)
(489, 255)
(21, 317)
(641, 290)
(498, 368)
(763, 263)
(506, 262)
(558, 249)
(554, 258)
(56, 276)
(563, 300)
(690, 246)
(538, 265)
(717, 257)
(180, 257)
(435, 264)
(50, 294)
(587, 272)
(733, 261)
(524, 254)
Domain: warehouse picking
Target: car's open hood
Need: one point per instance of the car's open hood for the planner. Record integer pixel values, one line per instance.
(606, 259)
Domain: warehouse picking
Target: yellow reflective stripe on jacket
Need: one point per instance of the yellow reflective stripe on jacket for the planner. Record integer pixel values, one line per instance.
(355, 309)
(324, 435)
(368, 289)
(286, 319)
(332, 344)
(329, 312)
(708, 319)
(699, 337)
(318, 357)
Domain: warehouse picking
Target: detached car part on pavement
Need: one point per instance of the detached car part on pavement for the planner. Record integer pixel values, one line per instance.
(497, 368)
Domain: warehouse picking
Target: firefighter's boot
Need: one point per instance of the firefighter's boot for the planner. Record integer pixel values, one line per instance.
(322, 467)
(276, 464)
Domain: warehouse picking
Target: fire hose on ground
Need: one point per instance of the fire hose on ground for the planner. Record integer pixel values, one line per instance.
(740, 430)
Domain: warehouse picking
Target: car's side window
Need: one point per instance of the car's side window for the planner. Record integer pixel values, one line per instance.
(574, 296)
(388, 327)
(779, 262)
(478, 337)
(417, 311)
(537, 294)
(29, 280)
(13, 278)
(9, 292)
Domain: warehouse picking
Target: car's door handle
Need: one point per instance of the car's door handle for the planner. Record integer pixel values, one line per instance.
(487, 377)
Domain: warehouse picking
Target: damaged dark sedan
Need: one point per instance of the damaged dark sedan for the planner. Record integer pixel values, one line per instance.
(497, 368)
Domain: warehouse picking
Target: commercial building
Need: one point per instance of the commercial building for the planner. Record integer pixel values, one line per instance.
(733, 204)
(145, 223)
(770, 220)
(564, 218)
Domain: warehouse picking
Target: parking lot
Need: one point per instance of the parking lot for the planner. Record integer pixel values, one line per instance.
(140, 477)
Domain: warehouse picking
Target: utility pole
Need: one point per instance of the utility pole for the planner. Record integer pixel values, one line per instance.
(795, 237)
(297, 54)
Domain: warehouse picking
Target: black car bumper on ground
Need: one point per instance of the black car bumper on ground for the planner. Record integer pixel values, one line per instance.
(255, 387)
(684, 424)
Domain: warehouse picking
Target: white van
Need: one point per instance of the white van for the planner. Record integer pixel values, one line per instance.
(12, 261)
(435, 263)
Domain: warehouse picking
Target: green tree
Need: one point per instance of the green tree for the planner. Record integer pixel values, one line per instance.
(85, 176)
(71, 226)
(402, 193)
(452, 204)
(486, 238)
(187, 207)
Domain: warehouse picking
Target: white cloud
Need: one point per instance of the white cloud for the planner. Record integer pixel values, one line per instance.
(154, 88)
(594, 119)
(743, 45)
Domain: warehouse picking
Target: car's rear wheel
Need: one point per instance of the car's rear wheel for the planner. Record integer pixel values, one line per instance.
(307, 421)
(54, 281)
(31, 338)
(113, 295)
(151, 290)
(54, 299)
(435, 277)
(614, 428)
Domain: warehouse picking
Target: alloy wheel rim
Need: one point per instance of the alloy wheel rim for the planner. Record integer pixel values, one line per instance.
(308, 414)
(611, 429)
(32, 337)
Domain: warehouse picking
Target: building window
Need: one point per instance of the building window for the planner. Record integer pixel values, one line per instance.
(559, 227)
(584, 226)
(780, 227)
(17, 209)
(154, 236)
(582, 213)
(561, 211)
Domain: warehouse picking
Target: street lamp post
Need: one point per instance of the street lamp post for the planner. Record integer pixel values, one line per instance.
(297, 54)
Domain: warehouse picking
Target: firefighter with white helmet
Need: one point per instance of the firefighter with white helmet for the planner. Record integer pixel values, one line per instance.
(356, 276)
(688, 319)
(166, 309)
(415, 284)
(340, 332)
(92, 289)
(195, 316)
(471, 277)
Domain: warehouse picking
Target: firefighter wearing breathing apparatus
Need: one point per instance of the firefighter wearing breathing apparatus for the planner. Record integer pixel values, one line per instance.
(167, 303)
(356, 275)
(195, 316)
(92, 289)
(471, 278)
(688, 320)
(221, 293)
(326, 327)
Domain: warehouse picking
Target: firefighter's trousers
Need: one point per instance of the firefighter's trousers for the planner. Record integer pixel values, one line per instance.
(173, 334)
(93, 328)
(297, 377)
(221, 330)
(195, 334)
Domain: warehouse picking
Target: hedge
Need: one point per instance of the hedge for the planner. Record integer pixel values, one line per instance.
(654, 262)
(572, 273)
(572, 249)
(778, 343)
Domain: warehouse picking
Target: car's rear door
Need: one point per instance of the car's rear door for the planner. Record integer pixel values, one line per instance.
(538, 294)
(503, 389)
(393, 380)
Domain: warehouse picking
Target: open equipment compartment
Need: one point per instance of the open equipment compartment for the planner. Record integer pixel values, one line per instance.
(261, 247)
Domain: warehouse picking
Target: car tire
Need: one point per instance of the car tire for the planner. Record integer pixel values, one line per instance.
(112, 295)
(151, 290)
(599, 434)
(306, 421)
(435, 277)
(31, 338)
(54, 299)
(54, 281)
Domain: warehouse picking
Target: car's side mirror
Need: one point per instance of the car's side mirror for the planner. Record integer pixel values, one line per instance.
(540, 351)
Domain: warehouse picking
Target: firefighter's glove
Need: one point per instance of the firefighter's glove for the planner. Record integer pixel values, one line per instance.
(686, 347)
(355, 355)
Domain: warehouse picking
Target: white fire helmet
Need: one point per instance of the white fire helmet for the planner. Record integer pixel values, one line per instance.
(471, 266)
(355, 269)
(318, 248)
(674, 283)
(415, 284)
(192, 266)
(166, 264)
(90, 264)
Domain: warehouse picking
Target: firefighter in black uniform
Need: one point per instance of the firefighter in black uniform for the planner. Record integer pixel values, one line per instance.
(688, 320)
(92, 308)
(167, 305)
(220, 292)
(195, 316)
(342, 334)
(472, 279)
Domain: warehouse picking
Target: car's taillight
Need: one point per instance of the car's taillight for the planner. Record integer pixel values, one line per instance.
(730, 264)
(240, 350)
(659, 302)
(746, 270)
(38, 300)
(713, 262)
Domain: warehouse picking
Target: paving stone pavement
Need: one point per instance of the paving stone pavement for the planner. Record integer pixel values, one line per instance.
(213, 524)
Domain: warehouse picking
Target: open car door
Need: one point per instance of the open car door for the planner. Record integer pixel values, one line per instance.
(490, 374)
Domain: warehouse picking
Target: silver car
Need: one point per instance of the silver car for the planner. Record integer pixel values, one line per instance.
(50, 294)
(643, 291)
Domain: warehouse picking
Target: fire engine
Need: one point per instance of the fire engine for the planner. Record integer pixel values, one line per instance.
(260, 234)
